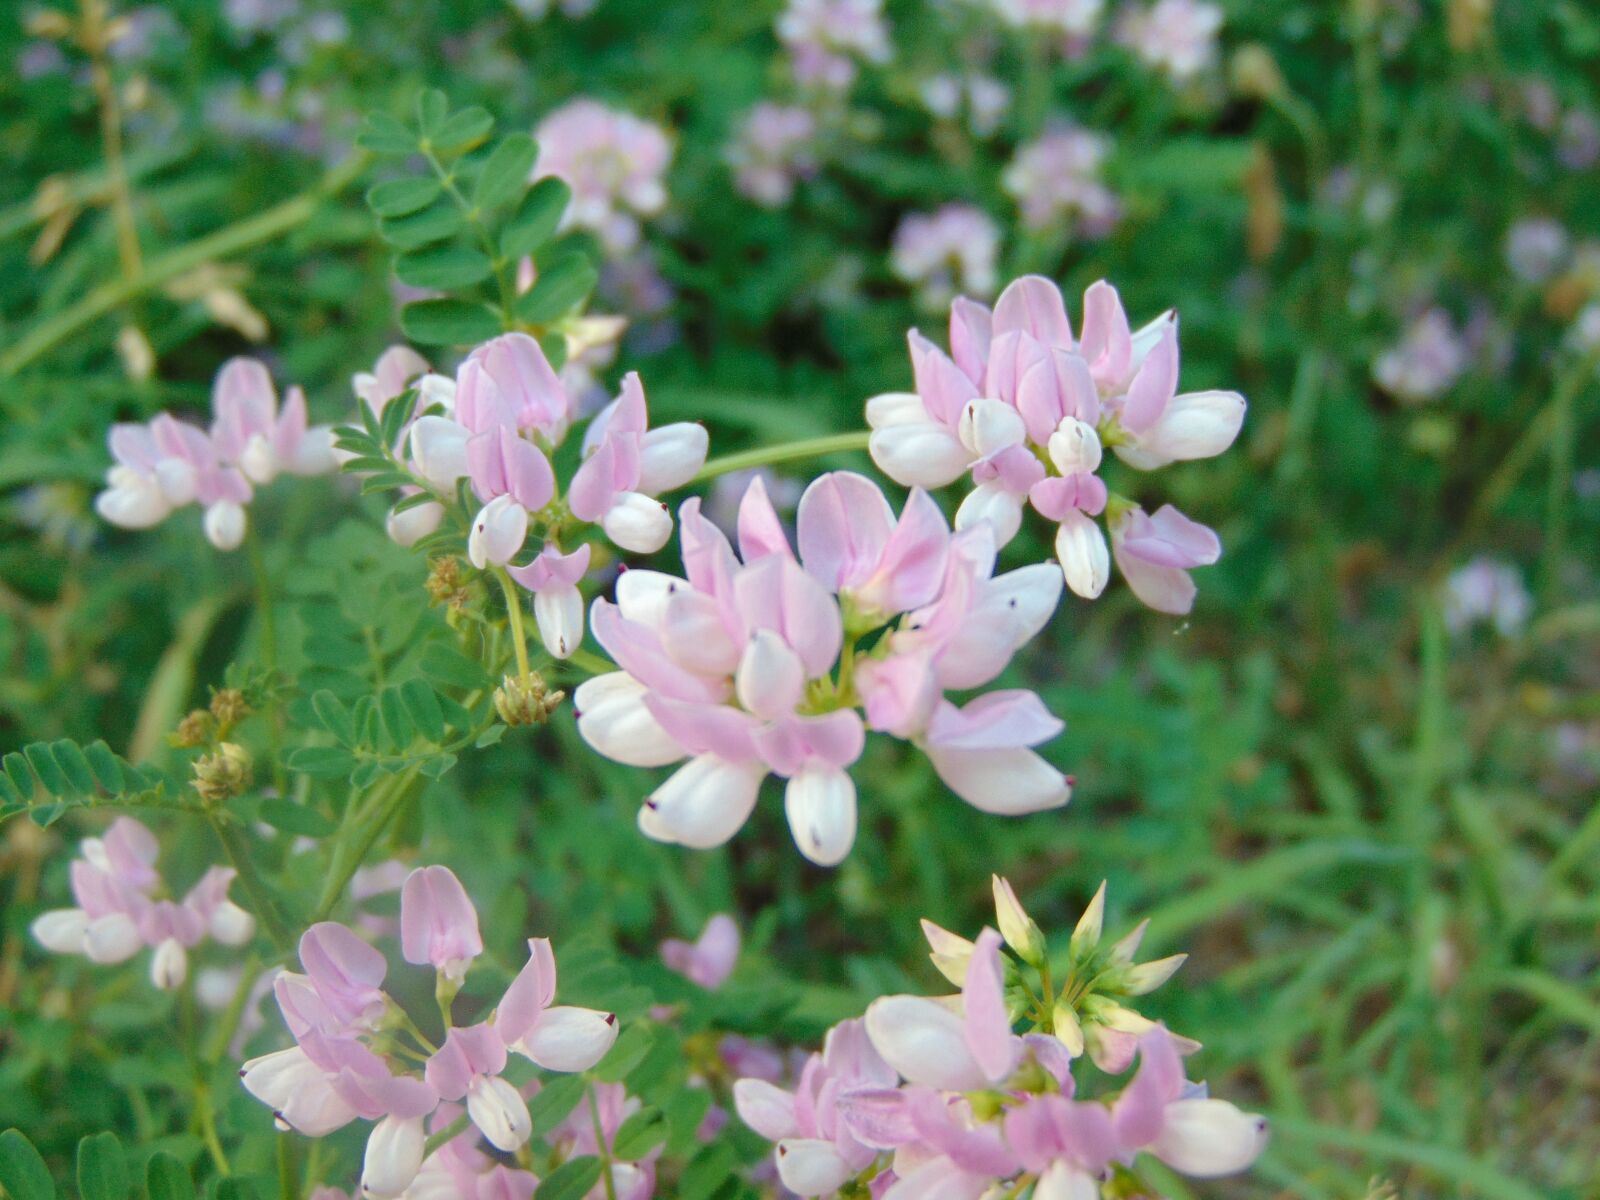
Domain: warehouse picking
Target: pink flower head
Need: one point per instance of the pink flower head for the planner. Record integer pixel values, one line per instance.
(607, 1106)
(394, 371)
(709, 959)
(1175, 37)
(346, 972)
(249, 432)
(553, 578)
(849, 539)
(1155, 554)
(825, 37)
(613, 161)
(556, 1037)
(947, 253)
(629, 464)
(500, 463)
(509, 381)
(1056, 181)
(772, 150)
(1028, 410)
(468, 1067)
(817, 1152)
(438, 925)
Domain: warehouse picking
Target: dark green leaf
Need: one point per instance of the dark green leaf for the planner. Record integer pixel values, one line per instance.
(537, 218)
(396, 721)
(74, 766)
(415, 500)
(555, 1100)
(562, 285)
(463, 131)
(16, 768)
(396, 415)
(22, 1172)
(447, 665)
(44, 766)
(401, 197)
(165, 1178)
(571, 1180)
(707, 1172)
(334, 716)
(443, 267)
(102, 1168)
(290, 817)
(433, 109)
(435, 224)
(322, 762)
(639, 1134)
(505, 173)
(423, 706)
(448, 322)
(383, 134)
(107, 770)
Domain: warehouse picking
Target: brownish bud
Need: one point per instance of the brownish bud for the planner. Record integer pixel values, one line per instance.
(222, 774)
(228, 706)
(526, 701)
(196, 729)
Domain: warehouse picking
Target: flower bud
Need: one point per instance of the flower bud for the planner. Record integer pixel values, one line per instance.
(1147, 977)
(499, 1112)
(1075, 447)
(1085, 559)
(224, 524)
(169, 965)
(222, 774)
(1068, 1031)
(638, 523)
(1020, 931)
(498, 532)
(950, 952)
(1087, 934)
(229, 707)
(394, 1156)
(526, 701)
(820, 803)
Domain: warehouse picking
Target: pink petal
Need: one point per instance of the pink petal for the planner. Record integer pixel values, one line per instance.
(994, 721)
(943, 386)
(988, 1028)
(760, 531)
(843, 524)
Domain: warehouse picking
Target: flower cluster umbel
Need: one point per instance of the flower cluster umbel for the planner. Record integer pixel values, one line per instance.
(768, 661)
(120, 908)
(355, 1048)
(942, 1097)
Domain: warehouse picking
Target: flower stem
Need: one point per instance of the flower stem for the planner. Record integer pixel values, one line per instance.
(600, 1145)
(370, 824)
(242, 861)
(783, 452)
(519, 640)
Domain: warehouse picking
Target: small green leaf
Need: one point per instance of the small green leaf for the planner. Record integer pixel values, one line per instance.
(423, 706)
(437, 766)
(334, 716)
(396, 720)
(537, 218)
(415, 500)
(322, 762)
(102, 1168)
(107, 770)
(165, 1178)
(448, 322)
(571, 1180)
(433, 108)
(46, 815)
(435, 224)
(555, 1100)
(447, 665)
(383, 134)
(562, 285)
(16, 768)
(463, 131)
(401, 197)
(397, 415)
(639, 1134)
(290, 817)
(22, 1172)
(506, 171)
(69, 757)
(446, 268)
(44, 766)
(490, 736)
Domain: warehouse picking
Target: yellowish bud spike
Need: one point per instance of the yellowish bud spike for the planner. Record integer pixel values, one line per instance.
(1087, 934)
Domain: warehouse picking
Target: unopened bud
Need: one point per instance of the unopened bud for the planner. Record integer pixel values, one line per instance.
(1087, 934)
(1068, 1030)
(1128, 945)
(950, 952)
(1255, 73)
(1019, 930)
(526, 701)
(444, 583)
(223, 774)
(1147, 977)
(196, 729)
(229, 707)
(137, 354)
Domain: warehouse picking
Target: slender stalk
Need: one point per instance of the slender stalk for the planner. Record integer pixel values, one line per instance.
(208, 1128)
(240, 858)
(375, 818)
(519, 639)
(833, 443)
(105, 90)
(269, 655)
(224, 243)
(600, 1146)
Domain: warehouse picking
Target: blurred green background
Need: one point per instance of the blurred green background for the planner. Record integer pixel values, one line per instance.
(1358, 784)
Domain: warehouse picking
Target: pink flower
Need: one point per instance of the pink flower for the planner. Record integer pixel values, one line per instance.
(947, 253)
(825, 37)
(250, 432)
(468, 1067)
(509, 381)
(710, 959)
(1056, 181)
(608, 1105)
(613, 161)
(773, 148)
(1176, 37)
(438, 924)
(1155, 553)
(1029, 410)
(556, 1037)
(553, 578)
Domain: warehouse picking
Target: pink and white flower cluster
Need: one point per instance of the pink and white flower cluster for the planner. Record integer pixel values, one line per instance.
(167, 464)
(494, 425)
(1056, 182)
(1027, 411)
(762, 662)
(120, 909)
(772, 150)
(946, 253)
(984, 99)
(1176, 37)
(614, 162)
(941, 1097)
(344, 1065)
(825, 38)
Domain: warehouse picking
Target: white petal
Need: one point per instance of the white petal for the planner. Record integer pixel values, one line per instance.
(393, 1158)
(224, 524)
(820, 803)
(169, 965)
(1062, 1181)
(767, 1109)
(926, 456)
(570, 1039)
(925, 1041)
(638, 523)
(1007, 782)
(410, 527)
(671, 456)
(811, 1167)
(771, 679)
(112, 938)
(1194, 425)
(612, 718)
(1000, 509)
(1085, 560)
(1208, 1138)
(988, 425)
(62, 930)
(559, 615)
(498, 532)
(439, 451)
(706, 801)
(231, 925)
(500, 1113)
(1075, 447)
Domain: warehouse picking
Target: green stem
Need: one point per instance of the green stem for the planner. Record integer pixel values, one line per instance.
(224, 243)
(834, 443)
(375, 817)
(601, 1147)
(269, 655)
(519, 639)
(444, 1135)
(242, 861)
(507, 286)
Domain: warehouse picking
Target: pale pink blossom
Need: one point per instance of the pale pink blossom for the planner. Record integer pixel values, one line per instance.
(1076, 18)
(946, 253)
(1056, 181)
(710, 958)
(773, 149)
(826, 38)
(614, 163)
(1175, 37)
(1430, 357)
